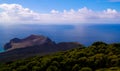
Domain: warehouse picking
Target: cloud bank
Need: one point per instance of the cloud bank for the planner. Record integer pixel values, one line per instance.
(15, 13)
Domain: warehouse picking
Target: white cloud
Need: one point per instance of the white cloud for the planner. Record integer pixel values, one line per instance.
(54, 11)
(15, 13)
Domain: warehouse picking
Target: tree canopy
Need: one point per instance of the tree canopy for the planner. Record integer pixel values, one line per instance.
(97, 57)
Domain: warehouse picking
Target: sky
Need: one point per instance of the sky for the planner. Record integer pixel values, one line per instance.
(59, 12)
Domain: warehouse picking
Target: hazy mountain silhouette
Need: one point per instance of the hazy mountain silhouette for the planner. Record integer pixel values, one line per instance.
(33, 45)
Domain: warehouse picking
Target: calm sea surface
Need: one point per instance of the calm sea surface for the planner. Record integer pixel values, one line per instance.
(85, 34)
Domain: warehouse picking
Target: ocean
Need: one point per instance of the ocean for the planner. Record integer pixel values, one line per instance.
(85, 34)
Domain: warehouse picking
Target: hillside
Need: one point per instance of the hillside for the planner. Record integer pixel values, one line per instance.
(33, 45)
(97, 57)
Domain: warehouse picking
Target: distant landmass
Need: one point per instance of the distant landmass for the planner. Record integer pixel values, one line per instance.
(33, 45)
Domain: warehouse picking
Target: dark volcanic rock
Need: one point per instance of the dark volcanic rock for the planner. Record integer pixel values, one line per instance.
(33, 45)
(68, 45)
(9, 45)
(31, 40)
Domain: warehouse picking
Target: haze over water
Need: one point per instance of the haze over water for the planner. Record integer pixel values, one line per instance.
(85, 34)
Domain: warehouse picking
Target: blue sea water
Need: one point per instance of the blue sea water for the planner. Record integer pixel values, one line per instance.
(85, 34)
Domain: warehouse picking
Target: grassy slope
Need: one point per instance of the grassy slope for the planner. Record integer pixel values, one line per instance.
(97, 57)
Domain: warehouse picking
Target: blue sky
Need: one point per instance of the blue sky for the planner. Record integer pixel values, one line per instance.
(47, 5)
(43, 8)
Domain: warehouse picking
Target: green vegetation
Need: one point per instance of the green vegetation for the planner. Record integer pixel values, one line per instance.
(97, 57)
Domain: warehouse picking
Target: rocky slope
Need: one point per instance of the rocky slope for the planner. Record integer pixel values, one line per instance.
(33, 45)
(31, 40)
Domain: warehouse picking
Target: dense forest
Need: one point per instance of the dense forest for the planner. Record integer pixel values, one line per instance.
(97, 57)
